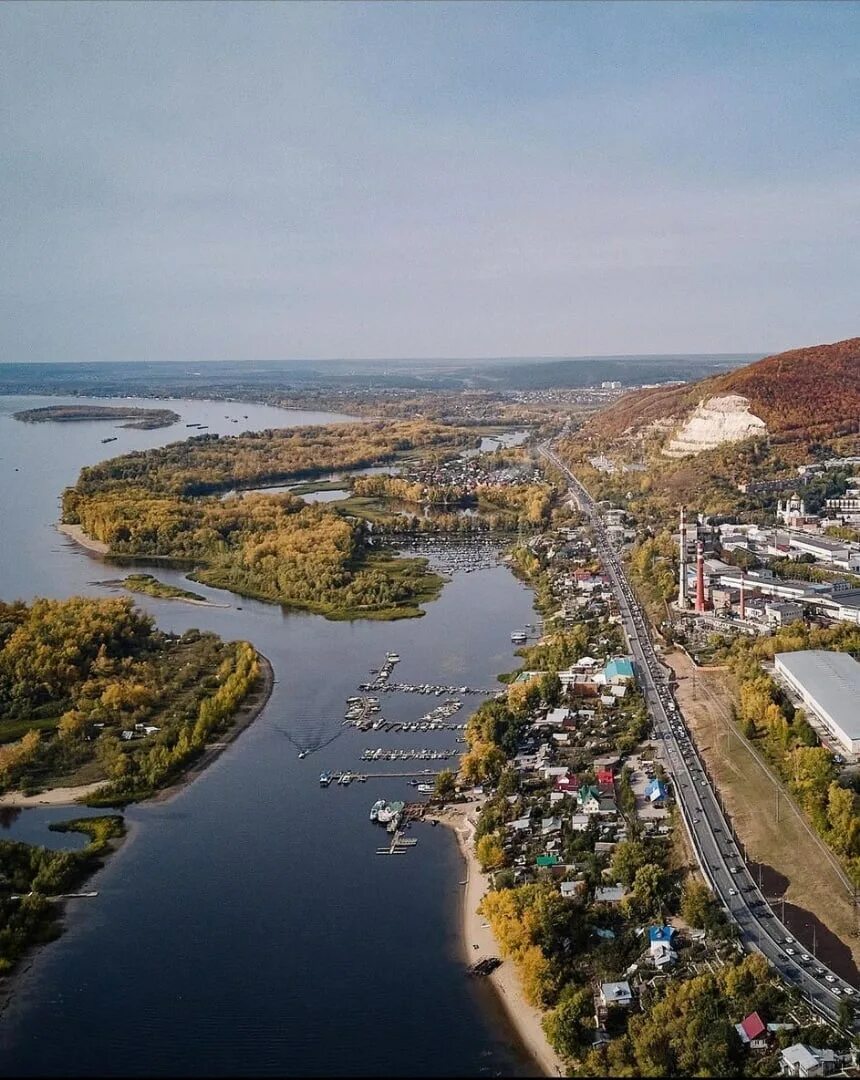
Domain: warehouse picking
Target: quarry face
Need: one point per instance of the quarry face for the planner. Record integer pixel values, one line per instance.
(714, 422)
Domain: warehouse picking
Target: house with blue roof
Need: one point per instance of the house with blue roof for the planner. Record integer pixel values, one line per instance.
(619, 670)
(656, 792)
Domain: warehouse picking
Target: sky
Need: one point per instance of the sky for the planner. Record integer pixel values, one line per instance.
(219, 181)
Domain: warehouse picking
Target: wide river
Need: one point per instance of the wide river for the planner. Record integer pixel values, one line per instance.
(247, 926)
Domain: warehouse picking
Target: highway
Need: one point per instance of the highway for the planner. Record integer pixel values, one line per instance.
(709, 832)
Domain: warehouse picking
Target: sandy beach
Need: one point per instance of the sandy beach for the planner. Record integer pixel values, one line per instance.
(76, 533)
(525, 1019)
(59, 796)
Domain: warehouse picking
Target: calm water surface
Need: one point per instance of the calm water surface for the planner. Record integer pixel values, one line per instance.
(247, 926)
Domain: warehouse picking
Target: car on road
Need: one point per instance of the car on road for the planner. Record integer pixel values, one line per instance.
(848, 990)
(830, 978)
(805, 958)
(733, 892)
(791, 952)
(734, 869)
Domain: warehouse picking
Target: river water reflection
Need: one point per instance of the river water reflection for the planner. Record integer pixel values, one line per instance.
(248, 926)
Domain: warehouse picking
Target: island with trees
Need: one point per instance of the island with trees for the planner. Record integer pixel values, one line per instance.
(146, 419)
(275, 547)
(97, 701)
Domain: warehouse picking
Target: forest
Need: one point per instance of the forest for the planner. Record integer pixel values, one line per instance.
(271, 547)
(91, 691)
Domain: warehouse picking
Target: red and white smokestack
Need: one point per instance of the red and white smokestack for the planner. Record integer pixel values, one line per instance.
(700, 576)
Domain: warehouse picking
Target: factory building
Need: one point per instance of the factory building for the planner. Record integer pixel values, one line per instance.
(828, 683)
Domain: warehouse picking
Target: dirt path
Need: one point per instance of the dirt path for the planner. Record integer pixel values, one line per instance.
(804, 874)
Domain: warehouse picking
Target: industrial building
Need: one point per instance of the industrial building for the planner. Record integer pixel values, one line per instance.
(828, 683)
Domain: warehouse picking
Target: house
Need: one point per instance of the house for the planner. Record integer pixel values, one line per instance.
(550, 825)
(551, 772)
(801, 1060)
(553, 718)
(568, 784)
(619, 670)
(571, 889)
(616, 993)
(752, 1032)
(607, 807)
(609, 894)
(605, 777)
(522, 824)
(544, 861)
(661, 934)
(589, 800)
(580, 822)
(608, 700)
(656, 792)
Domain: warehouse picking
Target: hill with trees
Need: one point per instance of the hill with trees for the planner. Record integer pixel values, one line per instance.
(803, 395)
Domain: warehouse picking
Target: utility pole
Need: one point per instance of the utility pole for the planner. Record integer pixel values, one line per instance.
(777, 806)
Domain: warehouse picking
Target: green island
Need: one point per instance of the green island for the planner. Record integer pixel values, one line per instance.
(33, 880)
(95, 699)
(146, 419)
(151, 586)
(273, 547)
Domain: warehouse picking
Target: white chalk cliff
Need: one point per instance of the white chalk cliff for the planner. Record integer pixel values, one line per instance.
(713, 422)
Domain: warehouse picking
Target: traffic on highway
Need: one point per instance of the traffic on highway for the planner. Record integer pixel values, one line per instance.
(711, 836)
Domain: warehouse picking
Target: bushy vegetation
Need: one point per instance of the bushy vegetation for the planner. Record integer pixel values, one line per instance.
(151, 586)
(271, 547)
(30, 875)
(75, 674)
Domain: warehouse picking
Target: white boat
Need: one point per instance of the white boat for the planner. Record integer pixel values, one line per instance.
(426, 788)
(392, 658)
(374, 810)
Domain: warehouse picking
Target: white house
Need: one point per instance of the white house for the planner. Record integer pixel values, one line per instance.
(801, 1060)
(616, 993)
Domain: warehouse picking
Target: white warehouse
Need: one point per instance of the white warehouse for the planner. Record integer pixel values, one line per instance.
(828, 683)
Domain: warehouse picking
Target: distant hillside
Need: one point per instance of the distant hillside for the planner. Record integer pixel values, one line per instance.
(801, 395)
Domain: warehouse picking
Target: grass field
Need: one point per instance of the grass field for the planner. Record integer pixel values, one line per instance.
(750, 797)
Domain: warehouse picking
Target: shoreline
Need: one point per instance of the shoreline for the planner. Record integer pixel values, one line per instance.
(245, 715)
(76, 533)
(524, 1018)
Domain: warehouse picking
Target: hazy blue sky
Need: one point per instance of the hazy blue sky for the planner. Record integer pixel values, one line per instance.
(243, 181)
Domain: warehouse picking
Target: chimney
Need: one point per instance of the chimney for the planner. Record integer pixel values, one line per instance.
(700, 577)
(682, 562)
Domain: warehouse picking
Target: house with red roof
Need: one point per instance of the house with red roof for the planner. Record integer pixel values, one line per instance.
(752, 1032)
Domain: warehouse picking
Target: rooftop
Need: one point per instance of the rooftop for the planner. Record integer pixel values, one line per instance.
(832, 679)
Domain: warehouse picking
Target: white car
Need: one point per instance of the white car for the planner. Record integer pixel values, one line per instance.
(733, 892)
(791, 952)
(847, 990)
(830, 978)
